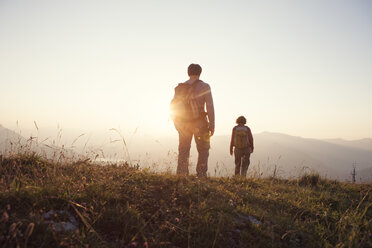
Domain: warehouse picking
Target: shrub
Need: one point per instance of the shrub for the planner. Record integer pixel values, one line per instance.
(310, 179)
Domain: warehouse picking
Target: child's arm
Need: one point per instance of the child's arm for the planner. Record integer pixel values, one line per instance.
(232, 141)
(250, 137)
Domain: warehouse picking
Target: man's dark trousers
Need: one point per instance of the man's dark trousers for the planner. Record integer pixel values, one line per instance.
(199, 129)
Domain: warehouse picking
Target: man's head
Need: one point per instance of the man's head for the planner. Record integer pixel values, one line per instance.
(241, 120)
(194, 70)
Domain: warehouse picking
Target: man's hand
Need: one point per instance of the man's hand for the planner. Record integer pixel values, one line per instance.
(211, 131)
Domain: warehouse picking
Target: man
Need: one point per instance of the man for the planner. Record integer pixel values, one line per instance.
(201, 126)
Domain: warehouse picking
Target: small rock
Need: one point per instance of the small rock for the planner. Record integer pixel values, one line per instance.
(61, 226)
(254, 220)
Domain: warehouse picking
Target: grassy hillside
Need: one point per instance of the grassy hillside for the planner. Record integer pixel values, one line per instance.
(122, 206)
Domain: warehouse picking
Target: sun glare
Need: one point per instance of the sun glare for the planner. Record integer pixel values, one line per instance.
(159, 117)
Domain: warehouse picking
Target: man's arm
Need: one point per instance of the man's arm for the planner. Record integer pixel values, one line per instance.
(210, 109)
(232, 141)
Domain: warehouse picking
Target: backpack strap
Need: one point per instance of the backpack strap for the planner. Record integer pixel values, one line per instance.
(193, 85)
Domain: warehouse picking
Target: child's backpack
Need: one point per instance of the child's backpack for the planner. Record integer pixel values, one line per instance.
(183, 107)
(241, 137)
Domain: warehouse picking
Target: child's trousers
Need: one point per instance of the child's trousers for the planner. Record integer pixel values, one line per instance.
(242, 161)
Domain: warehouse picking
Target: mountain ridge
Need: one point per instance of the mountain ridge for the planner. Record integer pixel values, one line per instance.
(289, 156)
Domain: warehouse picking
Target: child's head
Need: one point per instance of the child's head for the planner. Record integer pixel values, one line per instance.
(241, 120)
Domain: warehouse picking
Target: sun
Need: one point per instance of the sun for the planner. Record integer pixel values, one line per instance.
(159, 114)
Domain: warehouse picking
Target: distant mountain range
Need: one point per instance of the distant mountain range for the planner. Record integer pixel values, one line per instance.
(275, 153)
(10, 141)
(292, 156)
(9, 138)
(361, 144)
(288, 156)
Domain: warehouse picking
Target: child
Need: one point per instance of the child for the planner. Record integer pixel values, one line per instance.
(242, 139)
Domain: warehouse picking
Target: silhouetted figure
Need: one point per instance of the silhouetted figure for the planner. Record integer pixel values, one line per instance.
(242, 140)
(193, 116)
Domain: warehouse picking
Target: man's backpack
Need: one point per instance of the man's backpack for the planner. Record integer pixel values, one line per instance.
(183, 107)
(241, 137)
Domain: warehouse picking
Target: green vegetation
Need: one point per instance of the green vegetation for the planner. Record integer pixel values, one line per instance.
(122, 206)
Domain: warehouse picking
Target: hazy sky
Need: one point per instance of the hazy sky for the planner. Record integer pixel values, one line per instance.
(297, 67)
